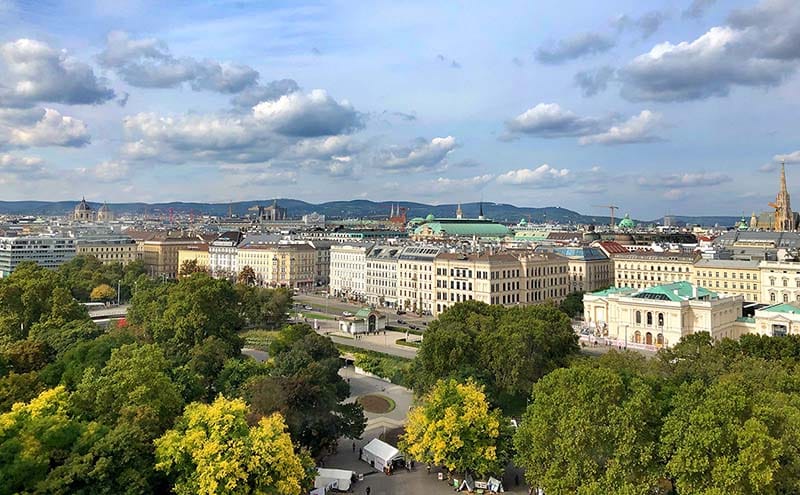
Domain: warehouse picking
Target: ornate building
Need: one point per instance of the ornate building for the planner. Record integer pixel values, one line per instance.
(784, 220)
(83, 212)
(104, 214)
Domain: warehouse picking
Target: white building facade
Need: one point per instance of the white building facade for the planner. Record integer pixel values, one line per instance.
(348, 270)
(49, 252)
(415, 278)
(381, 275)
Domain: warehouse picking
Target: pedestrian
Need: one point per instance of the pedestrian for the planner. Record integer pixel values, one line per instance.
(368, 490)
(516, 479)
(360, 453)
(354, 444)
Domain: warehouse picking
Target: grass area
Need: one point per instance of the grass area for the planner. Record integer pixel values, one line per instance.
(259, 339)
(395, 328)
(408, 344)
(393, 368)
(376, 404)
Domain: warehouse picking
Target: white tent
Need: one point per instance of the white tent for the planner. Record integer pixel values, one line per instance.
(379, 454)
(337, 479)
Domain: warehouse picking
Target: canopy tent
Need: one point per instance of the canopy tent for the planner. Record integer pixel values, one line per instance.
(380, 454)
(337, 479)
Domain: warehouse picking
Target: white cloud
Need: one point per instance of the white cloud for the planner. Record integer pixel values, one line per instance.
(424, 155)
(793, 157)
(580, 45)
(107, 171)
(541, 177)
(35, 72)
(446, 184)
(52, 129)
(23, 167)
(308, 115)
(759, 47)
(674, 194)
(637, 129)
(549, 120)
(688, 179)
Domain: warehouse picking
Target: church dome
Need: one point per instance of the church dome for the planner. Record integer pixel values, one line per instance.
(627, 223)
(430, 218)
(82, 206)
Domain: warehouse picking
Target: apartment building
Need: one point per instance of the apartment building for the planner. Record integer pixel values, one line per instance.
(222, 253)
(780, 282)
(108, 250)
(415, 279)
(348, 270)
(49, 252)
(160, 254)
(508, 278)
(589, 268)
(644, 269)
(729, 278)
(381, 275)
(198, 254)
(280, 265)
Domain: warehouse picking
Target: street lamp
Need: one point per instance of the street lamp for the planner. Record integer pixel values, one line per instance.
(626, 337)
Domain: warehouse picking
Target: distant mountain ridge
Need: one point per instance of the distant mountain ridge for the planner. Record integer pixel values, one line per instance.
(357, 208)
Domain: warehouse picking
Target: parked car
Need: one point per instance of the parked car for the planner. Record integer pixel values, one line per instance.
(400, 312)
(413, 327)
(308, 307)
(347, 313)
(400, 322)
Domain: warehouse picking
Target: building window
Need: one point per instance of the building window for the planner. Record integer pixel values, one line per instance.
(660, 319)
(649, 319)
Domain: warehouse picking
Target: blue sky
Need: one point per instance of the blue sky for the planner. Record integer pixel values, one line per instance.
(681, 107)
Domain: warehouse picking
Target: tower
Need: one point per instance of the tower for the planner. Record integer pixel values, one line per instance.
(753, 221)
(480, 212)
(459, 213)
(784, 219)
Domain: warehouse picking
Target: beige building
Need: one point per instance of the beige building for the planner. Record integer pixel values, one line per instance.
(381, 275)
(197, 253)
(659, 316)
(160, 254)
(112, 250)
(415, 291)
(280, 265)
(590, 269)
(507, 278)
(729, 278)
(650, 269)
(780, 282)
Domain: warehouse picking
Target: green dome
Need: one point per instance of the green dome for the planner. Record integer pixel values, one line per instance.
(430, 217)
(523, 222)
(743, 224)
(627, 223)
(417, 220)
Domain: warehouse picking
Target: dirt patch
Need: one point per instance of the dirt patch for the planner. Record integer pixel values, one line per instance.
(376, 404)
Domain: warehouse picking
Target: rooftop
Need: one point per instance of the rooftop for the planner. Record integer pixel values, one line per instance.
(676, 292)
(783, 308)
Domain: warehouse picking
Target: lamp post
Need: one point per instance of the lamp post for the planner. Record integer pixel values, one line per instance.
(118, 284)
(626, 337)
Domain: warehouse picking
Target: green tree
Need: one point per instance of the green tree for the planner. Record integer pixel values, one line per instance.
(212, 450)
(572, 305)
(588, 430)
(263, 307)
(739, 436)
(103, 292)
(22, 387)
(133, 387)
(247, 276)
(455, 427)
(188, 267)
(25, 298)
(69, 367)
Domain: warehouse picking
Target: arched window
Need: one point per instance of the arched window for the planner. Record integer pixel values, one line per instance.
(660, 339)
(649, 319)
(648, 338)
(661, 319)
(638, 317)
(772, 297)
(637, 337)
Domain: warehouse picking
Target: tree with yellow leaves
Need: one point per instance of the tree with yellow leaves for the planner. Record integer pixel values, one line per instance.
(454, 427)
(212, 450)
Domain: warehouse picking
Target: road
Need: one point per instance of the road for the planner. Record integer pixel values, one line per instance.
(334, 306)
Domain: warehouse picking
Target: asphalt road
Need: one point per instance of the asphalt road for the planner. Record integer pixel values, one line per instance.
(335, 306)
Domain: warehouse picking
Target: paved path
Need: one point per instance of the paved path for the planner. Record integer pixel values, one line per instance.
(335, 306)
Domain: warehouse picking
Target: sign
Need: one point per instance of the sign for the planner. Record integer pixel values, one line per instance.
(482, 485)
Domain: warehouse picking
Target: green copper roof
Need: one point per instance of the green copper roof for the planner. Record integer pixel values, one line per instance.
(465, 228)
(611, 290)
(363, 313)
(627, 223)
(783, 308)
(676, 292)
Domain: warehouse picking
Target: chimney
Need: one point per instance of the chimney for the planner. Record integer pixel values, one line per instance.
(694, 291)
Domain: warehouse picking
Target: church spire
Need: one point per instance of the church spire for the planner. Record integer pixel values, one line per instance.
(784, 218)
(459, 213)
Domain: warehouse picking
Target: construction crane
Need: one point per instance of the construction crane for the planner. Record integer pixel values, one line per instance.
(610, 207)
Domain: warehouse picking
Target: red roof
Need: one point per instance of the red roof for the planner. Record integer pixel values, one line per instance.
(611, 247)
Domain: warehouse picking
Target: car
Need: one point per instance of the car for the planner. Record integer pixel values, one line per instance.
(400, 312)
(413, 327)
(347, 313)
(308, 307)
(400, 322)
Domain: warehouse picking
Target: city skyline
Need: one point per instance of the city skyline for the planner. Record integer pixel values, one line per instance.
(689, 105)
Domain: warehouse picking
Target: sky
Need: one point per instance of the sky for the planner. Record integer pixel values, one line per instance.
(683, 107)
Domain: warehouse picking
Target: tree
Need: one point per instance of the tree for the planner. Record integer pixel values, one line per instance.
(212, 450)
(133, 387)
(22, 387)
(25, 298)
(188, 267)
(738, 436)
(247, 276)
(588, 430)
(103, 292)
(455, 427)
(25, 356)
(572, 305)
(264, 307)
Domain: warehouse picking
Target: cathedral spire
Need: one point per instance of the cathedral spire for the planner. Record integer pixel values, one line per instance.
(784, 218)
(459, 213)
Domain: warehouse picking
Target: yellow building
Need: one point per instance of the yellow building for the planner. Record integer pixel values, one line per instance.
(198, 254)
(280, 265)
(650, 269)
(729, 277)
(114, 250)
(507, 278)
(160, 254)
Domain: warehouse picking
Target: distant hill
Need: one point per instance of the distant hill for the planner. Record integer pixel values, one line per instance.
(357, 208)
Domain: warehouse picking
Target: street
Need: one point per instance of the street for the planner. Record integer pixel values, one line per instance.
(334, 306)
